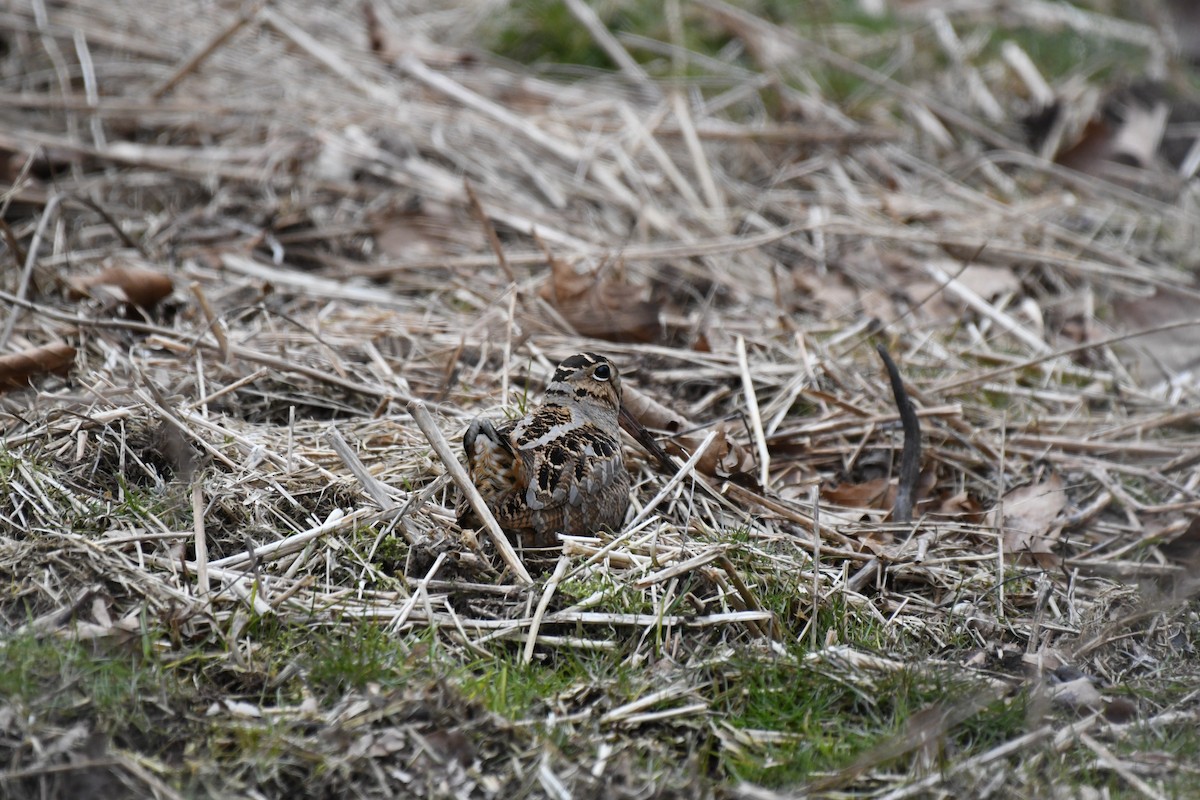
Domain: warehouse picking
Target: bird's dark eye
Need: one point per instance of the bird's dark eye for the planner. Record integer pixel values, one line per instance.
(602, 372)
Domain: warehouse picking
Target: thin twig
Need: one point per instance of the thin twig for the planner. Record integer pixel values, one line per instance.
(378, 491)
(214, 322)
(756, 426)
(560, 569)
(425, 422)
(26, 273)
(489, 229)
(595, 27)
(193, 62)
(201, 541)
(336, 521)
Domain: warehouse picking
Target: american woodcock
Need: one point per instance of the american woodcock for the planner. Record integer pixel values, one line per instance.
(559, 468)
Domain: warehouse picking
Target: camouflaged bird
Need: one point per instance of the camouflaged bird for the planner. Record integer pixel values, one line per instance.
(559, 468)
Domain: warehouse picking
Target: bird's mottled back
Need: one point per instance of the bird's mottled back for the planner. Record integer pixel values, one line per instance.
(559, 468)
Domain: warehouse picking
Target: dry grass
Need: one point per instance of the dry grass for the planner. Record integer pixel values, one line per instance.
(231, 559)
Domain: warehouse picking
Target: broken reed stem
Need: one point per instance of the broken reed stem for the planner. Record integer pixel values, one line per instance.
(420, 591)
(202, 581)
(214, 322)
(591, 22)
(325, 56)
(506, 626)
(169, 339)
(771, 630)
(681, 567)
(375, 488)
(560, 569)
(863, 576)
(1110, 760)
(683, 472)
(232, 387)
(910, 467)
(509, 323)
(437, 441)
(708, 186)
(336, 520)
(963, 293)
(756, 426)
(669, 693)
(148, 397)
(936, 722)
(489, 230)
(1000, 751)
(815, 497)
(10, 239)
(522, 125)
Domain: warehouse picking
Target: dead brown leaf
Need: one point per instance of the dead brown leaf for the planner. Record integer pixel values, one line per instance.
(832, 296)
(1028, 520)
(1119, 709)
(134, 286)
(878, 493)
(724, 457)
(1164, 354)
(424, 229)
(17, 368)
(1091, 148)
(599, 305)
(959, 506)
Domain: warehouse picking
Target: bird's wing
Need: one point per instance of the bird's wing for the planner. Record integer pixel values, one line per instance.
(579, 463)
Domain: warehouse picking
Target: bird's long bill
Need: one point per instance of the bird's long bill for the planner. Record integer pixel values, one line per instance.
(631, 425)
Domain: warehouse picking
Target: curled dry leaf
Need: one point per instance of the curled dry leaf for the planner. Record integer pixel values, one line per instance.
(960, 506)
(1028, 520)
(879, 493)
(1161, 354)
(601, 306)
(17, 368)
(143, 288)
(831, 296)
(724, 457)
(424, 228)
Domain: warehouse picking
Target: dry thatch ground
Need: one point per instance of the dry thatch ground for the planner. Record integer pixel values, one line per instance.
(230, 558)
